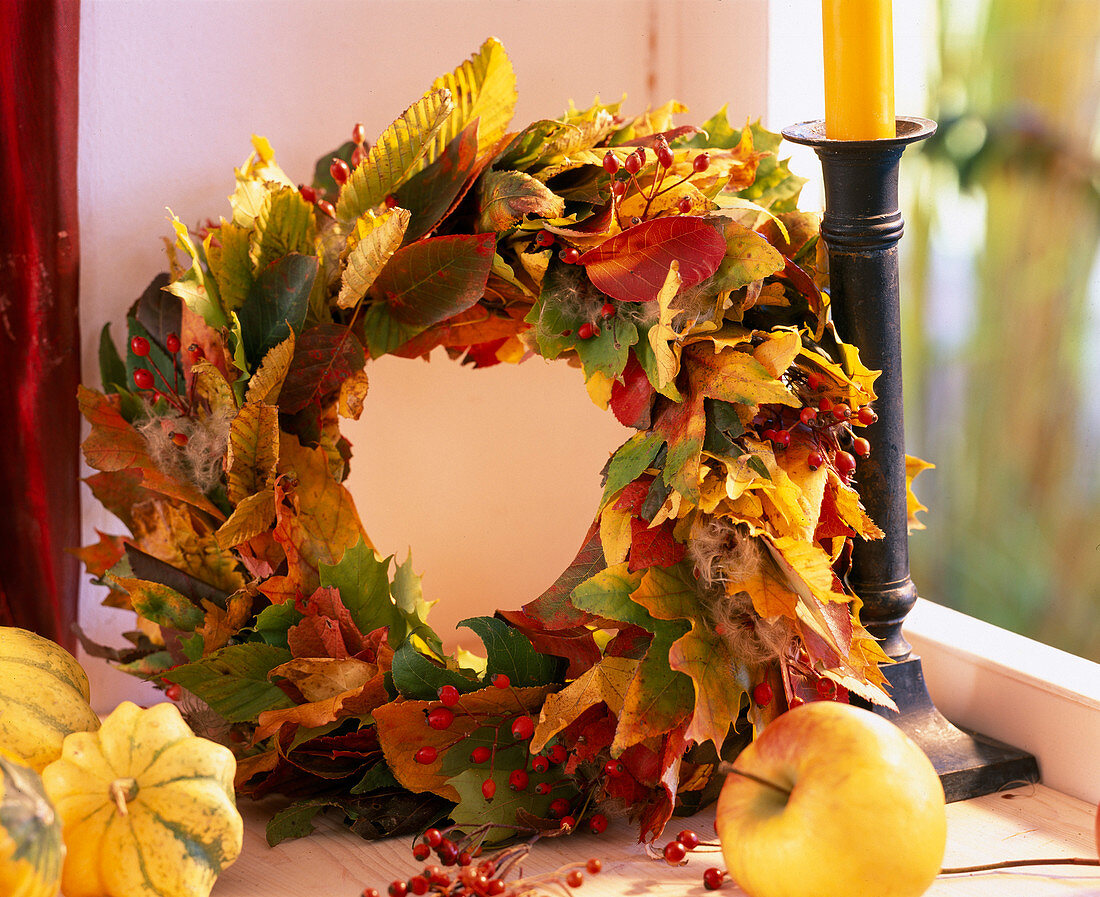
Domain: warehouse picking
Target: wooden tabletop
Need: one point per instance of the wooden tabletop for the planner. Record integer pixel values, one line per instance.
(1024, 823)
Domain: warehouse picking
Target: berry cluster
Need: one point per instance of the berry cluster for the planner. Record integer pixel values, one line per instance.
(675, 854)
(168, 390)
(478, 874)
(340, 172)
(827, 422)
(624, 174)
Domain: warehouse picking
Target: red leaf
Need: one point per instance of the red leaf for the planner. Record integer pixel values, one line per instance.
(653, 546)
(632, 400)
(633, 265)
(484, 355)
(324, 357)
(634, 495)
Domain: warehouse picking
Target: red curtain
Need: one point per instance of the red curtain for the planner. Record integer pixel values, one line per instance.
(39, 335)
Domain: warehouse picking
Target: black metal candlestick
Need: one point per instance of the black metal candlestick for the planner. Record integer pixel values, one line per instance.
(861, 228)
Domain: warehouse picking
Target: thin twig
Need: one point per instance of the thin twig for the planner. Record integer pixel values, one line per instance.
(1007, 864)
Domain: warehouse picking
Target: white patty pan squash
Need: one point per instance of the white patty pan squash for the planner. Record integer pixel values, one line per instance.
(43, 697)
(147, 807)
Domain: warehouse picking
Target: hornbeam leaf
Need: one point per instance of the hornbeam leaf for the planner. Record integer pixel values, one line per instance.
(284, 225)
(395, 156)
(253, 452)
(377, 238)
(483, 88)
(264, 385)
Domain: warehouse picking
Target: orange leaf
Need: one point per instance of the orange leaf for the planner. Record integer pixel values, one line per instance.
(607, 682)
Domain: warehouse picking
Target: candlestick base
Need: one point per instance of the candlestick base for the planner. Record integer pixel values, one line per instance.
(968, 764)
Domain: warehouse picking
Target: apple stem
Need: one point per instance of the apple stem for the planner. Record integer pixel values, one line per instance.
(1006, 864)
(730, 768)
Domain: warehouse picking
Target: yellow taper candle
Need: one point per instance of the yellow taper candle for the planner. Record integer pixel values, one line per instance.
(859, 69)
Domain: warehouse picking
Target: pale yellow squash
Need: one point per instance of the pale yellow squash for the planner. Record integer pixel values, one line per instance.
(43, 697)
(147, 807)
(31, 849)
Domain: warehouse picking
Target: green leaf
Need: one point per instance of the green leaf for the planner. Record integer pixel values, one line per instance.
(417, 677)
(162, 605)
(505, 197)
(473, 810)
(231, 264)
(233, 681)
(112, 371)
(363, 580)
(510, 652)
(395, 155)
(659, 698)
(193, 286)
(607, 594)
(749, 257)
(408, 595)
(723, 426)
(324, 357)
(276, 304)
(273, 622)
(376, 778)
(528, 145)
(608, 351)
(628, 462)
(295, 821)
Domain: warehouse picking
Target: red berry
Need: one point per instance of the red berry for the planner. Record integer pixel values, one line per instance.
(501, 680)
(575, 878)
(586, 330)
(613, 768)
(866, 415)
(641, 154)
(664, 154)
(826, 689)
(418, 884)
(433, 837)
(143, 378)
(326, 208)
(826, 404)
(421, 852)
(390, 201)
(308, 193)
(540, 764)
(607, 310)
(701, 163)
(610, 162)
(807, 415)
(769, 433)
(173, 692)
(359, 133)
(844, 463)
(480, 754)
(518, 779)
(464, 858)
(398, 889)
(559, 806)
(357, 156)
(593, 865)
(633, 162)
(557, 753)
(172, 343)
(370, 892)
(139, 345)
(195, 353)
(690, 839)
(675, 853)
(448, 695)
(782, 438)
(712, 878)
(619, 189)
(814, 460)
(795, 702)
(426, 755)
(762, 694)
(568, 822)
(684, 205)
(542, 788)
(861, 447)
(447, 852)
(440, 718)
(488, 789)
(570, 255)
(496, 887)
(841, 411)
(544, 238)
(340, 171)
(814, 380)
(598, 823)
(179, 439)
(523, 728)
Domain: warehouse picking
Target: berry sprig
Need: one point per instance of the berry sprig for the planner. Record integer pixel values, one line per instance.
(146, 380)
(633, 164)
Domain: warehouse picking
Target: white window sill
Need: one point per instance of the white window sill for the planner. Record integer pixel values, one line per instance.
(1016, 690)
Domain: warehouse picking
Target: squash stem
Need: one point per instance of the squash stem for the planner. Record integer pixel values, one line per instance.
(122, 791)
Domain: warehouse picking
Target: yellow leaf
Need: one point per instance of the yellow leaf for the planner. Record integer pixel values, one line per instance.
(193, 287)
(253, 452)
(221, 625)
(615, 535)
(720, 681)
(607, 682)
(373, 241)
(778, 351)
(283, 225)
(172, 533)
(253, 515)
(229, 261)
(353, 392)
(598, 385)
(266, 383)
(212, 391)
(851, 511)
(913, 467)
(394, 156)
(661, 334)
(806, 568)
(483, 87)
(318, 678)
(771, 595)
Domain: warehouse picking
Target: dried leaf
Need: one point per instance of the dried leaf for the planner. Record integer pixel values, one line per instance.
(373, 241)
(252, 455)
(606, 682)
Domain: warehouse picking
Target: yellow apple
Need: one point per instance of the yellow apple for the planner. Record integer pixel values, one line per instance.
(859, 811)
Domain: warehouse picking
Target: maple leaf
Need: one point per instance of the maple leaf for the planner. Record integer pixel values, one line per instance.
(653, 546)
(220, 625)
(103, 555)
(913, 467)
(633, 266)
(720, 679)
(606, 682)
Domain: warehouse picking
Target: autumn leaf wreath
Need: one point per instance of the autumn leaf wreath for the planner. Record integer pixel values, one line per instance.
(671, 265)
